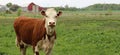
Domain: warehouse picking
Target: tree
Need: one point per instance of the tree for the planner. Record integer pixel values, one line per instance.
(9, 5)
(66, 6)
(14, 7)
(19, 12)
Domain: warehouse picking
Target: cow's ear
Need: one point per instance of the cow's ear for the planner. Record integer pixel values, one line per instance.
(43, 13)
(59, 13)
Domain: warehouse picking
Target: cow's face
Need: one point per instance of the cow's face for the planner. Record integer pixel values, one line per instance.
(51, 17)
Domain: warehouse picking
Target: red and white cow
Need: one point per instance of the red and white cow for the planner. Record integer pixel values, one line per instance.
(38, 33)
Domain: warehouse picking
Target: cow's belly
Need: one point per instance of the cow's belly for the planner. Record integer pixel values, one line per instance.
(44, 44)
(24, 43)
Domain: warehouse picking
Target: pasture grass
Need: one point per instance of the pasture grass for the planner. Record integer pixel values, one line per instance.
(78, 33)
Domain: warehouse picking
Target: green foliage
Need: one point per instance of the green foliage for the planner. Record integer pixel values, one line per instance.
(14, 7)
(68, 8)
(9, 5)
(100, 7)
(4, 14)
(95, 7)
(19, 12)
(8, 12)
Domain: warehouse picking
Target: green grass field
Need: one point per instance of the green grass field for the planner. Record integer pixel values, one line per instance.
(78, 33)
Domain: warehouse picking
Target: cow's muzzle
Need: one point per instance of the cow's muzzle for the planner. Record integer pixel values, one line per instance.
(52, 24)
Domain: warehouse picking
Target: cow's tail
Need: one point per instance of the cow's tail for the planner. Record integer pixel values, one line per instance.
(16, 42)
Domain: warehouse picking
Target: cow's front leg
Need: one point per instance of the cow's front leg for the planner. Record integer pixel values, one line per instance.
(50, 45)
(48, 51)
(36, 50)
(23, 49)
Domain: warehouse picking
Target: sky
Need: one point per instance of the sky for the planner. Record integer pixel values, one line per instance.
(56, 3)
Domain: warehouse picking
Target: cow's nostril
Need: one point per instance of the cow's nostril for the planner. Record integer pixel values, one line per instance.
(53, 22)
(50, 23)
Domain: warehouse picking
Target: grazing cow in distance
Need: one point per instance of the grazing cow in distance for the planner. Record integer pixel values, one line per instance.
(38, 33)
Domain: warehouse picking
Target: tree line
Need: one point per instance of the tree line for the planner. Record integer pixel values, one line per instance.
(103, 7)
(95, 7)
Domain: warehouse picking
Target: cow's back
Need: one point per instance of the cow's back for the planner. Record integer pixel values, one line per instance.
(24, 28)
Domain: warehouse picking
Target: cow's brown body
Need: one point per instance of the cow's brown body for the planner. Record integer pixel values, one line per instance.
(30, 31)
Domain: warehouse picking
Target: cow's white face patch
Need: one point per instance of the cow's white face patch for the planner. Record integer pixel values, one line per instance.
(50, 17)
(50, 20)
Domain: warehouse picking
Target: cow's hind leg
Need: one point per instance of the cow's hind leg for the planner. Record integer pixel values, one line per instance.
(23, 49)
(21, 45)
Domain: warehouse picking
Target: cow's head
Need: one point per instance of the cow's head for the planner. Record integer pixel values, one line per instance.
(51, 17)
